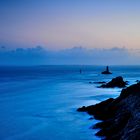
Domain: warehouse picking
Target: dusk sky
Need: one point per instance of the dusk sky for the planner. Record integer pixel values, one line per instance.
(68, 23)
(63, 24)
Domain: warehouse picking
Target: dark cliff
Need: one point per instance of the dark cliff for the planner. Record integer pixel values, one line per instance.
(120, 117)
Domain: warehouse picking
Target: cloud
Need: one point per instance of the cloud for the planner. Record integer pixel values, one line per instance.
(21, 56)
(80, 55)
(75, 55)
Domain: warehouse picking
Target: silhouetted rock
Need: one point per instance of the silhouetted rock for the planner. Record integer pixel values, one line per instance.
(115, 82)
(97, 82)
(106, 71)
(135, 89)
(121, 116)
(100, 82)
(97, 109)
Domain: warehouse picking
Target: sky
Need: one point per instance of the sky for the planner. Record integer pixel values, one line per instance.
(60, 25)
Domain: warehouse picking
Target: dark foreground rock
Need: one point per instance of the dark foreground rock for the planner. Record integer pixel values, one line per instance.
(115, 82)
(120, 117)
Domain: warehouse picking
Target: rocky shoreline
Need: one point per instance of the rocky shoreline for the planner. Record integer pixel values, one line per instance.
(120, 116)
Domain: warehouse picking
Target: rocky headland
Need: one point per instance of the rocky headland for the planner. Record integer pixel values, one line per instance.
(120, 116)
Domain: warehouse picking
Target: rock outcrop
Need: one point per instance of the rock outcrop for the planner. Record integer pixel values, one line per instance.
(115, 82)
(102, 82)
(120, 117)
(106, 71)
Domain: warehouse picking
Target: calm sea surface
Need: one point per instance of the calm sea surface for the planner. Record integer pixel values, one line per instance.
(40, 102)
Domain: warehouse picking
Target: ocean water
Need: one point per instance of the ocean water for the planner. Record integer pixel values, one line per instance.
(40, 102)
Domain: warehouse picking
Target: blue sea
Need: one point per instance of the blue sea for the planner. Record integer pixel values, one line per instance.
(40, 102)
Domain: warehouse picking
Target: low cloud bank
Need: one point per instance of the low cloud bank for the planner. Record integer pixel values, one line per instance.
(75, 55)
